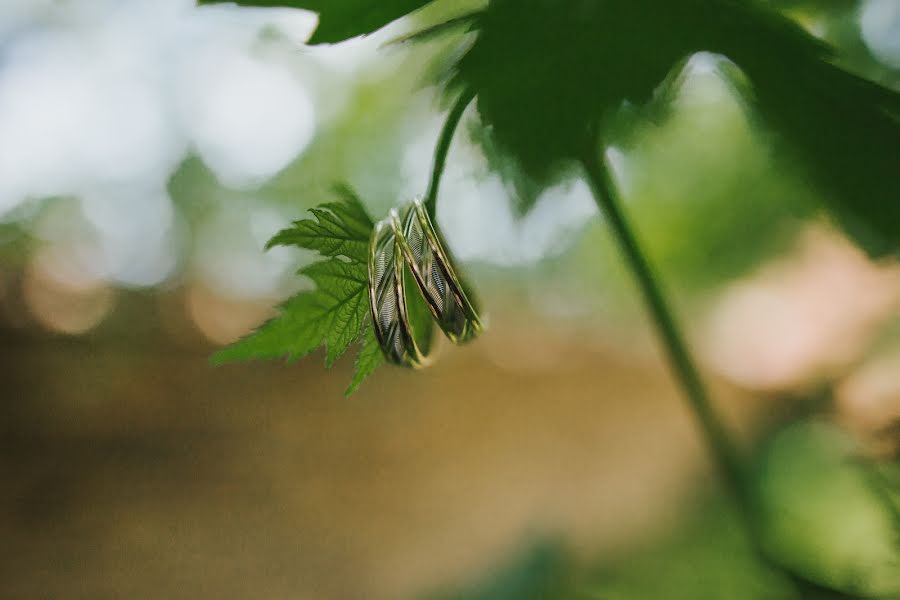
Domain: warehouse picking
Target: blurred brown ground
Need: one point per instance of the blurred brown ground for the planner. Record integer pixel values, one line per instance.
(131, 469)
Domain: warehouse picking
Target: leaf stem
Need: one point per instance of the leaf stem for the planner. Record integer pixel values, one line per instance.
(443, 148)
(725, 454)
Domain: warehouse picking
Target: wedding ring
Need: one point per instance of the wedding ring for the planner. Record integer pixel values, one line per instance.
(451, 301)
(393, 310)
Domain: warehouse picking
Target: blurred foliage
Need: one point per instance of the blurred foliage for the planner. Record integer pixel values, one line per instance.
(824, 513)
(711, 211)
(837, 22)
(707, 558)
(824, 519)
(362, 144)
(543, 106)
(542, 573)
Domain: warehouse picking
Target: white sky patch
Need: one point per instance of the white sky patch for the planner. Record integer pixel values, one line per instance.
(229, 257)
(101, 100)
(98, 93)
(138, 235)
(81, 100)
(248, 119)
(880, 22)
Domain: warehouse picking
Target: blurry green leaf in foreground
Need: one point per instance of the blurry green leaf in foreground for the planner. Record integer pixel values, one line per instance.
(708, 558)
(542, 573)
(549, 75)
(340, 20)
(822, 519)
(824, 516)
(336, 313)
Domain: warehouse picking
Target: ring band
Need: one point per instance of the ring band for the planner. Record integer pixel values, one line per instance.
(388, 300)
(451, 301)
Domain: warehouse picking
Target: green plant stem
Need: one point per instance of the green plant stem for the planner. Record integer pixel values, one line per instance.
(725, 454)
(728, 459)
(443, 148)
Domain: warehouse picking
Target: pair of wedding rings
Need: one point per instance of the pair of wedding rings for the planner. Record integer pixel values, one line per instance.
(407, 251)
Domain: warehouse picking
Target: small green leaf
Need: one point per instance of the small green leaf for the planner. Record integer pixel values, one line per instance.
(339, 229)
(340, 20)
(342, 291)
(369, 360)
(336, 312)
(296, 332)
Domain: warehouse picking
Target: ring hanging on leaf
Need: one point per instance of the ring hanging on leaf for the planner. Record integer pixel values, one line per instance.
(407, 251)
(396, 312)
(451, 301)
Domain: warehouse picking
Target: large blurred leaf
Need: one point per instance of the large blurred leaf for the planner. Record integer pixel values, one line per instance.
(822, 515)
(340, 20)
(549, 76)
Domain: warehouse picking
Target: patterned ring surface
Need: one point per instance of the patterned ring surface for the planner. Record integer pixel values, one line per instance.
(451, 301)
(389, 303)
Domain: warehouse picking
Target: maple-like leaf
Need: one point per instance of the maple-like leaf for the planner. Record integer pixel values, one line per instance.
(336, 313)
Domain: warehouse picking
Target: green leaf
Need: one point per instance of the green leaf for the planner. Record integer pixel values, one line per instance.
(336, 313)
(342, 289)
(369, 360)
(339, 229)
(821, 516)
(340, 20)
(524, 190)
(549, 79)
(296, 332)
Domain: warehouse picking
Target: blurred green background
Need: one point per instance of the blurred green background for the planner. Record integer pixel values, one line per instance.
(149, 149)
